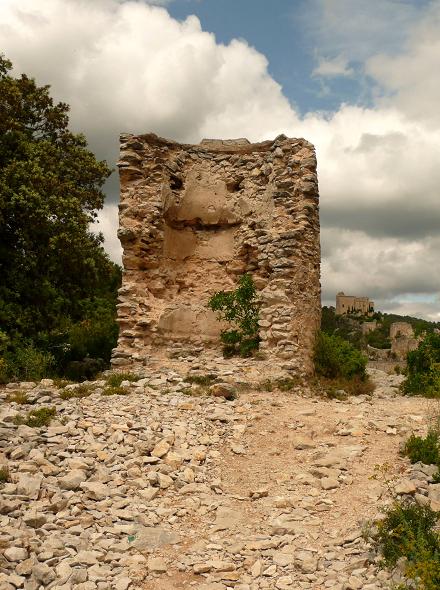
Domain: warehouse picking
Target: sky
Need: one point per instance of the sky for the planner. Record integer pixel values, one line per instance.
(360, 80)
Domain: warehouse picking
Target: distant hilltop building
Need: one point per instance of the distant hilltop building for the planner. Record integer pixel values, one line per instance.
(350, 304)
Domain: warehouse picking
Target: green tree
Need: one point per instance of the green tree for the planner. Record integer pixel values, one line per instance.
(51, 264)
(423, 370)
(50, 190)
(241, 309)
(335, 357)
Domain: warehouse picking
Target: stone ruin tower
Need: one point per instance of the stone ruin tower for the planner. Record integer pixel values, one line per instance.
(193, 219)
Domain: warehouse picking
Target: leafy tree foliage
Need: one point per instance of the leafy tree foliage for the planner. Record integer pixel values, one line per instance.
(409, 531)
(341, 325)
(53, 268)
(335, 357)
(378, 338)
(241, 309)
(423, 370)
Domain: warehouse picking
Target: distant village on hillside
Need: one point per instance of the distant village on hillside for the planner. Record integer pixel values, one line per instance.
(386, 338)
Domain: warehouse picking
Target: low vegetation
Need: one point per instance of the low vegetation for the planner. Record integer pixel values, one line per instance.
(36, 418)
(80, 391)
(408, 531)
(342, 388)
(423, 369)
(204, 380)
(116, 390)
(115, 379)
(424, 449)
(240, 308)
(18, 397)
(282, 383)
(4, 474)
(340, 368)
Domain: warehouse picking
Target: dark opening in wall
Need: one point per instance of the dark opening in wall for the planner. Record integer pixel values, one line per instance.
(176, 182)
(234, 185)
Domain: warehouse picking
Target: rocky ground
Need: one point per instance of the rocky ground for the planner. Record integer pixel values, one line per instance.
(163, 488)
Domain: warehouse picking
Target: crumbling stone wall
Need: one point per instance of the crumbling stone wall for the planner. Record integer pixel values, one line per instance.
(402, 340)
(398, 329)
(193, 218)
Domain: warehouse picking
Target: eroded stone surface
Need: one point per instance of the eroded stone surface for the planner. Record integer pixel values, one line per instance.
(193, 218)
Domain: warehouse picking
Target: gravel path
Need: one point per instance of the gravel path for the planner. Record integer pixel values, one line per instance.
(158, 489)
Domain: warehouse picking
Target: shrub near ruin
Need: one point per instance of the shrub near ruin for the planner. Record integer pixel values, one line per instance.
(36, 418)
(335, 358)
(409, 531)
(423, 370)
(425, 449)
(241, 309)
(340, 368)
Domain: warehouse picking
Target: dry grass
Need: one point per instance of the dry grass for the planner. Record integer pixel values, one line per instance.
(4, 474)
(342, 388)
(18, 397)
(115, 390)
(36, 418)
(81, 391)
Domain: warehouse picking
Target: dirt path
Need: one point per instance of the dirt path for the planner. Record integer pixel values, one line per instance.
(166, 489)
(294, 485)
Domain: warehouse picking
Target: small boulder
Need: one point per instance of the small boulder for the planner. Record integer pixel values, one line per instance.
(225, 390)
(73, 479)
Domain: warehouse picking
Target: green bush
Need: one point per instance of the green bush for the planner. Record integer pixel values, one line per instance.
(4, 474)
(36, 418)
(377, 339)
(96, 335)
(81, 391)
(5, 372)
(19, 397)
(30, 364)
(241, 309)
(85, 370)
(116, 390)
(335, 358)
(341, 387)
(408, 530)
(115, 379)
(341, 325)
(423, 370)
(426, 450)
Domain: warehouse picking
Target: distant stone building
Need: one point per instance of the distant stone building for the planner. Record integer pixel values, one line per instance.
(402, 340)
(368, 327)
(347, 304)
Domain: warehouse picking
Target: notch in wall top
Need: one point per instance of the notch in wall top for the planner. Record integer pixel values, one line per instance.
(224, 142)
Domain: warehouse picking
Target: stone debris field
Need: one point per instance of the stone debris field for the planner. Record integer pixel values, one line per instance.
(164, 489)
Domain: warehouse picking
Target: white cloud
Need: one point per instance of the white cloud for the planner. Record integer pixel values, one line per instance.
(383, 268)
(357, 29)
(337, 66)
(131, 67)
(411, 78)
(107, 224)
(128, 66)
(418, 309)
